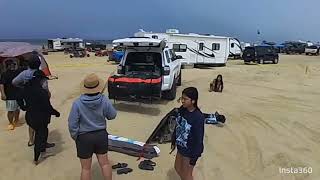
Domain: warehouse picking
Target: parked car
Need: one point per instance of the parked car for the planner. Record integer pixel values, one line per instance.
(294, 47)
(260, 54)
(148, 70)
(312, 50)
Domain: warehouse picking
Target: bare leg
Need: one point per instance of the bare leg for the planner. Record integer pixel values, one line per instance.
(187, 169)
(105, 166)
(85, 169)
(16, 116)
(177, 164)
(10, 116)
(31, 136)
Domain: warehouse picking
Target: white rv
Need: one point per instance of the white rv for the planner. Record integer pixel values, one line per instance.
(64, 43)
(194, 48)
(235, 48)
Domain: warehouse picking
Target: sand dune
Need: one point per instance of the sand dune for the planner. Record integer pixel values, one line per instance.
(272, 121)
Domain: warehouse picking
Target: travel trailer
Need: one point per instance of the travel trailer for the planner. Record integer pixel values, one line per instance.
(65, 43)
(194, 48)
(235, 48)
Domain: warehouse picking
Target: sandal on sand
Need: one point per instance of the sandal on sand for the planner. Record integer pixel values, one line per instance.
(124, 171)
(149, 162)
(119, 165)
(145, 166)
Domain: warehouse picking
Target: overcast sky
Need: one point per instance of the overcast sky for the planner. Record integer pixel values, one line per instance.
(277, 20)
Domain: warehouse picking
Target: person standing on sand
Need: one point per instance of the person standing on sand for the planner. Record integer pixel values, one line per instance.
(9, 92)
(35, 100)
(23, 78)
(87, 126)
(188, 135)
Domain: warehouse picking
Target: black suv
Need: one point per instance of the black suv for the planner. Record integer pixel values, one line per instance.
(260, 54)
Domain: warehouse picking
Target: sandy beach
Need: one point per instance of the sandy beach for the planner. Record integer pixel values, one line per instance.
(272, 116)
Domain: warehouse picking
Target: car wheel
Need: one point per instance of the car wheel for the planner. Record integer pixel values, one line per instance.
(171, 94)
(261, 61)
(179, 79)
(276, 61)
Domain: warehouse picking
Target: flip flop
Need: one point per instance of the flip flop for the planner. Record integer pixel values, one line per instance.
(144, 166)
(120, 165)
(124, 171)
(149, 162)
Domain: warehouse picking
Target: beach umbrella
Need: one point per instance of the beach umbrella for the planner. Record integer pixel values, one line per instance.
(14, 49)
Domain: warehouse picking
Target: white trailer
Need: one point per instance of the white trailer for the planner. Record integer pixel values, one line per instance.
(194, 48)
(235, 48)
(60, 44)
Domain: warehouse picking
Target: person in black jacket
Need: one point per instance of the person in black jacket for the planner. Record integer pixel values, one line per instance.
(35, 101)
(188, 135)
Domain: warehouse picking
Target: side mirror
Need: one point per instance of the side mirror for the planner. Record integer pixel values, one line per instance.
(120, 69)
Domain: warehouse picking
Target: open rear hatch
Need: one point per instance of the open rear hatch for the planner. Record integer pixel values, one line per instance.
(140, 78)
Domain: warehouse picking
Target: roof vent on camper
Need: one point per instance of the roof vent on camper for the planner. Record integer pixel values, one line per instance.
(172, 31)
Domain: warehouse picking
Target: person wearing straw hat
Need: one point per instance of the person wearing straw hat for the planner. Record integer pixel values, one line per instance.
(87, 125)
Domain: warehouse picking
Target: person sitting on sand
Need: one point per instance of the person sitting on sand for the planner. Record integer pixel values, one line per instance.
(217, 84)
(87, 126)
(35, 101)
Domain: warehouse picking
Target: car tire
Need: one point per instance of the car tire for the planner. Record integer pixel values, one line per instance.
(179, 79)
(261, 61)
(276, 61)
(171, 94)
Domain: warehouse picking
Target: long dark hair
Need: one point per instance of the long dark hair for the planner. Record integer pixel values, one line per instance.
(216, 88)
(192, 93)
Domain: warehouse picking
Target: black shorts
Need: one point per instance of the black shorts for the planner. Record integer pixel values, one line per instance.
(92, 142)
(193, 161)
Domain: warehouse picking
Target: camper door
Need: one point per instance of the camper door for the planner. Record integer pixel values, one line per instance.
(201, 49)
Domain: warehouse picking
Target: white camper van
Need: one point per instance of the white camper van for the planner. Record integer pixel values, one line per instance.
(194, 48)
(64, 43)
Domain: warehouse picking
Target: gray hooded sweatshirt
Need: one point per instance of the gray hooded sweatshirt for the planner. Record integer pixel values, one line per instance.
(89, 113)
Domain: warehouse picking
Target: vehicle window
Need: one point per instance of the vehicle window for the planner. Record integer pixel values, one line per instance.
(172, 54)
(215, 46)
(179, 47)
(154, 37)
(201, 45)
(232, 45)
(167, 56)
(144, 57)
(313, 47)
